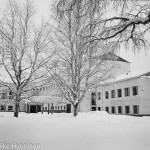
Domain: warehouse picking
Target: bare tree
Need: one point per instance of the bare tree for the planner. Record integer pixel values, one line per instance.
(79, 64)
(128, 26)
(23, 48)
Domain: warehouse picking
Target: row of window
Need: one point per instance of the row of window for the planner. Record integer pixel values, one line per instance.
(57, 95)
(56, 108)
(119, 109)
(3, 107)
(117, 93)
(48, 87)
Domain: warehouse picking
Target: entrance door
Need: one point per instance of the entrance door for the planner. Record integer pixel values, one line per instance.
(68, 108)
(33, 109)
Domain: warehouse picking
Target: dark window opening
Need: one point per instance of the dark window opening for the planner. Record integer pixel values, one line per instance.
(3, 107)
(93, 98)
(107, 109)
(93, 108)
(135, 109)
(135, 90)
(10, 108)
(113, 109)
(119, 92)
(127, 91)
(120, 109)
(99, 108)
(106, 95)
(113, 94)
(127, 109)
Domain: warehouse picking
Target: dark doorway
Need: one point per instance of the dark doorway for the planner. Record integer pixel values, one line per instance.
(68, 108)
(33, 109)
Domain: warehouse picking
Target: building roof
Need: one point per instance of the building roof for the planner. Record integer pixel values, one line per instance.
(128, 76)
(113, 57)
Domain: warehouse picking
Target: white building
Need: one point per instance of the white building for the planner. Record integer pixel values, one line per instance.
(129, 96)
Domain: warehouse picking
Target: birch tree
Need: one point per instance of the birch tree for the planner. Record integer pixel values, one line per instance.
(79, 64)
(23, 48)
(129, 25)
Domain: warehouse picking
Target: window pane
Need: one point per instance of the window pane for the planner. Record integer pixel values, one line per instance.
(127, 91)
(106, 95)
(113, 94)
(119, 92)
(135, 90)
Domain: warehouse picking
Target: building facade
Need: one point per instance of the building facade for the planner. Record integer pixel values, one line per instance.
(130, 96)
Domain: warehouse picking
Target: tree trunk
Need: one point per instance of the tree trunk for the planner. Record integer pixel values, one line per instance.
(75, 110)
(52, 107)
(16, 111)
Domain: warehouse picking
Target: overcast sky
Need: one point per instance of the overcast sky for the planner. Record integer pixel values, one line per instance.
(139, 62)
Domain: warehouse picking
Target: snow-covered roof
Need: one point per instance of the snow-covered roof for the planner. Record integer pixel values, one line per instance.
(128, 76)
(113, 57)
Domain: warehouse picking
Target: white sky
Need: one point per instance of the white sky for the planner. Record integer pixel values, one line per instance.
(139, 62)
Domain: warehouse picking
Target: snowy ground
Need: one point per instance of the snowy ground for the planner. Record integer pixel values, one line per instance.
(87, 131)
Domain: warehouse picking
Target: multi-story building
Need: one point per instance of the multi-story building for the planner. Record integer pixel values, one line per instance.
(130, 96)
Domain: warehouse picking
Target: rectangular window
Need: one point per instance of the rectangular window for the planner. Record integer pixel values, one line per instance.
(93, 95)
(45, 108)
(135, 90)
(99, 95)
(107, 109)
(113, 110)
(127, 91)
(58, 107)
(119, 109)
(93, 108)
(127, 109)
(3, 107)
(135, 109)
(64, 107)
(113, 94)
(106, 95)
(10, 108)
(99, 108)
(119, 92)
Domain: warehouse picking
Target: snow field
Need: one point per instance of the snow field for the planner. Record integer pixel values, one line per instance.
(87, 131)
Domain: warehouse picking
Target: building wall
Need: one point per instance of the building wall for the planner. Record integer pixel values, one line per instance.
(145, 95)
(141, 100)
